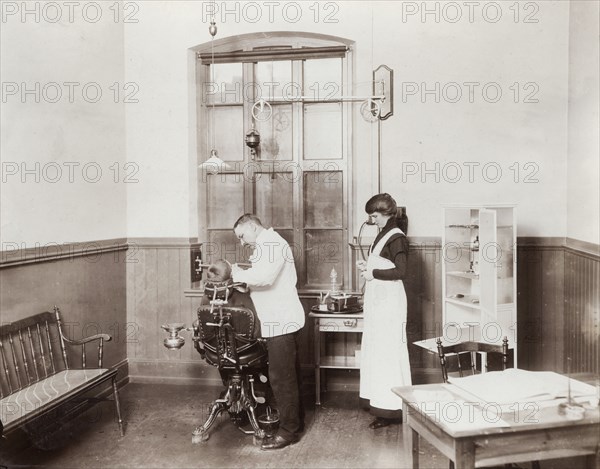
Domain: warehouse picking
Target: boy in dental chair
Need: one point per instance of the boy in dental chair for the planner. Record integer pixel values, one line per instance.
(221, 292)
(219, 285)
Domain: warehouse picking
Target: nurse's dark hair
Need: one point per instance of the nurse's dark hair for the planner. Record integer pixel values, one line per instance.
(381, 203)
(247, 218)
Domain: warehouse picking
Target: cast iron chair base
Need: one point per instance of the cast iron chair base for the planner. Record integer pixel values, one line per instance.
(239, 401)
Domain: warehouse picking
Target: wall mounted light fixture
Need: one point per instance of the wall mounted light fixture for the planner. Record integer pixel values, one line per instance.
(252, 139)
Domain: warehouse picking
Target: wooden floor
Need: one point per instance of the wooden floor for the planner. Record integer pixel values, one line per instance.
(160, 419)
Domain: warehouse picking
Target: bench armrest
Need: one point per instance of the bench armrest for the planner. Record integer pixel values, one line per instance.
(85, 340)
(81, 343)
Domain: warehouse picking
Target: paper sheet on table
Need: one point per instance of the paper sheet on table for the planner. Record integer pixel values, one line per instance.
(455, 414)
(514, 385)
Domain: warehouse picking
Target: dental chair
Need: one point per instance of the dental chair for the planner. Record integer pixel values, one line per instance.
(224, 335)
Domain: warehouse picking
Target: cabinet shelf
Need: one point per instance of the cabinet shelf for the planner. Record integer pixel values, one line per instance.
(453, 245)
(467, 301)
(339, 362)
(470, 227)
(469, 275)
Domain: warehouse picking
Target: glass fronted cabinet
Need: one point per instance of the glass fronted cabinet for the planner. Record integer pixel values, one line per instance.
(479, 274)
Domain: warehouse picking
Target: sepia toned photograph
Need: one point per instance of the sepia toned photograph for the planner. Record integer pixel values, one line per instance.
(285, 234)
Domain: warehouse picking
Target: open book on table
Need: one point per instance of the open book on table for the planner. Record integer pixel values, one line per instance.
(515, 385)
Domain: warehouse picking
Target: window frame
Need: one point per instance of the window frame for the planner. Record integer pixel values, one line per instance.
(295, 47)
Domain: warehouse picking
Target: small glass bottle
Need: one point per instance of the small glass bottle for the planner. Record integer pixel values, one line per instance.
(475, 246)
(333, 278)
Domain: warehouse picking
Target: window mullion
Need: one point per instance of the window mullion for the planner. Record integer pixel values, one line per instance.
(248, 169)
(298, 196)
(347, 152)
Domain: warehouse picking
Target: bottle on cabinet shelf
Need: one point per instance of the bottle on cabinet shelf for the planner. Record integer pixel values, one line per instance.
(333, 278)
(475, 244)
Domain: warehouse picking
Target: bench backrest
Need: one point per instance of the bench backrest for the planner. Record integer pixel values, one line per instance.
(31, 350)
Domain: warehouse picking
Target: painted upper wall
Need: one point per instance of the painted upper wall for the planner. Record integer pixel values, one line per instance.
(62, 123)
(480, 104)
(583, 203)
(453, 137)
(481, 113)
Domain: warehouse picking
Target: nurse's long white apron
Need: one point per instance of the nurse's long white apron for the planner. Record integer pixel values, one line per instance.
(384, 350)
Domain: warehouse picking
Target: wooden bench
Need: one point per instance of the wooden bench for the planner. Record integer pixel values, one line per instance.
(38, 375)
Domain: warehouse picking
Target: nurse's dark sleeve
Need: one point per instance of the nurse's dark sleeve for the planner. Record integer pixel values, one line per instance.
(398, 253)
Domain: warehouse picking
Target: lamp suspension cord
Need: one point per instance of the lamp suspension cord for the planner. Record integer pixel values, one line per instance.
(273, 139)
(207, 123)
(212, 77)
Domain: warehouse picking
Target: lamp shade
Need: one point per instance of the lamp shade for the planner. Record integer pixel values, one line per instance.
(214, 164)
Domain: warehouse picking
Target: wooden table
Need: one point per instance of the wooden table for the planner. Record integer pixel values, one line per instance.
(342, 323)
(533, 433)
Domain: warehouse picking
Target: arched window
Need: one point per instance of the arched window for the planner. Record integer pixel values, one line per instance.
(299, 178)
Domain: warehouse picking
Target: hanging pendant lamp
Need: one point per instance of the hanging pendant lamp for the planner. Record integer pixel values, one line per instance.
(214, 164)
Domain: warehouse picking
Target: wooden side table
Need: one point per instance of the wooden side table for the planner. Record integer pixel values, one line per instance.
(339, 323)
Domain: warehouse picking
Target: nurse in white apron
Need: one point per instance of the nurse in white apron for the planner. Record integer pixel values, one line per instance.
(384, 350)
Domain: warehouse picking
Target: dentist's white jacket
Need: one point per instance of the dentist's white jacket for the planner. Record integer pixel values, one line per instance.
(272, 282)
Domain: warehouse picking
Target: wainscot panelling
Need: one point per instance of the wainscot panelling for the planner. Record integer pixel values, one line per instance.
(87, 281)
(582, 308)
(159, 292)
(156, 283)
(548, 303)
(540, 295)
(558, 305)
(423, 292)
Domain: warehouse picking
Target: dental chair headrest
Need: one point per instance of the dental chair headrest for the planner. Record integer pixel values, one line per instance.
(218, 290)
(223, 290)
(219, 285)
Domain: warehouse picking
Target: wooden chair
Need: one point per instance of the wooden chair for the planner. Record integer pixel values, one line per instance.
(471, 348)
